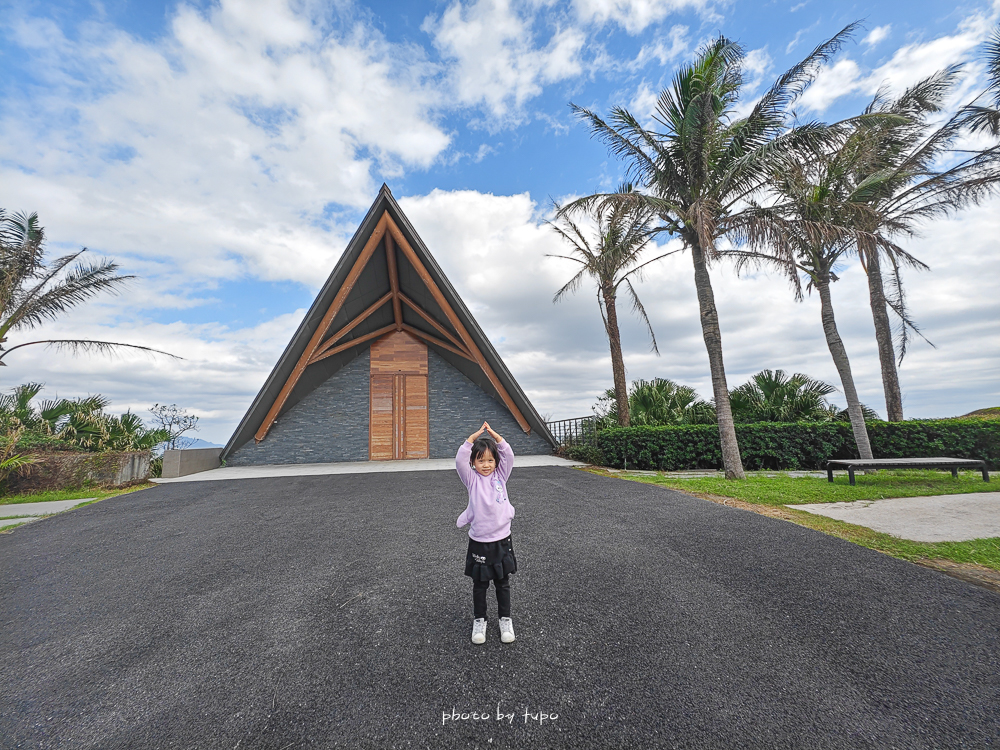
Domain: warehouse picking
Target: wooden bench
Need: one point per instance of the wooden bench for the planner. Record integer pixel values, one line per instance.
(853, 464)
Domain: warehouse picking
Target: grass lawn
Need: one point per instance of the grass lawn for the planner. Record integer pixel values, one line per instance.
(774, 488)
(768, 492)
(51, 495)
(8, 505)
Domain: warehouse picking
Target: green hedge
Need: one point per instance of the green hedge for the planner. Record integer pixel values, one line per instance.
(803, 445)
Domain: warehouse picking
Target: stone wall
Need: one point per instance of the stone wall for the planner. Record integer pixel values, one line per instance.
(181, 463)
(328, 425)
(331, 423)
(458, 406)
(60, 470)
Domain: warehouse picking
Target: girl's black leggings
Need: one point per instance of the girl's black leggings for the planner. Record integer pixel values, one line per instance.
(479, 589)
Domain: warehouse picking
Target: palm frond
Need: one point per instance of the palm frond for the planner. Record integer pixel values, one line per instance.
(80, 346)
(637, 306)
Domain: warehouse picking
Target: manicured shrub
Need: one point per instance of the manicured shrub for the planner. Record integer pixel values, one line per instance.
(801, 445)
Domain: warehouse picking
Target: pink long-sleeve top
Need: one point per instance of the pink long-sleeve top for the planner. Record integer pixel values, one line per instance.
(489, 510)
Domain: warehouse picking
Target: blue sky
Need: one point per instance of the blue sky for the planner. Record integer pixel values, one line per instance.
(225, 152)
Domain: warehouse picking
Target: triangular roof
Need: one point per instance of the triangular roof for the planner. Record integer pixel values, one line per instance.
(386, 280)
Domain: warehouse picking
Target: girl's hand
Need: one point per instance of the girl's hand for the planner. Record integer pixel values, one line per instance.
(486, 426)
(477, 433)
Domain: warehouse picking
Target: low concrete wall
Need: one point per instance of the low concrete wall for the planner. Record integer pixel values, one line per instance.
(181, 463)
(70, 470)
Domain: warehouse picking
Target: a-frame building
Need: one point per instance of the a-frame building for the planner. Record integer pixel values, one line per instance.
(387, 364)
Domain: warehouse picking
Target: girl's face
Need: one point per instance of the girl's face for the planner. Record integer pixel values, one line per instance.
(485, 464)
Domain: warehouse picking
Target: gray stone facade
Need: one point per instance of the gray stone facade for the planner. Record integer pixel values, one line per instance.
(331, 423)
(458, 406)
(328, 425)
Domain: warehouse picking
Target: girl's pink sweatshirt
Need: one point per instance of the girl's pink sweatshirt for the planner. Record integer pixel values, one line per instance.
(489, 510)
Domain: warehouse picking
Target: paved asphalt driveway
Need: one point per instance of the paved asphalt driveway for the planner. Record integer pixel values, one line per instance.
(332, 612)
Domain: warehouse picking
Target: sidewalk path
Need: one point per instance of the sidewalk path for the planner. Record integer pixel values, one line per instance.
(10, 514)
(941, 518)
(331, 611)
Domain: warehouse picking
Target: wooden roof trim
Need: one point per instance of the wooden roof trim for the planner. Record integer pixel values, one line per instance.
(324, 326)
(454, 320)
(440, 328)
(390, 257)
(354, 342)
(349, 327)
(437, 342)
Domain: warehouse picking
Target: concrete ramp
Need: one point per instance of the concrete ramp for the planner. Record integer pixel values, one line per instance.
(351, 467)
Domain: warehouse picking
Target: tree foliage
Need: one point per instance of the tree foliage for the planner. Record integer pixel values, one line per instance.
(175, 421)
(33, 292)
(774, 396)
(656, 402)
(78, 423)
(612, 257)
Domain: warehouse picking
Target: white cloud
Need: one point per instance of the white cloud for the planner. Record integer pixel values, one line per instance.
(757, 64)
(493, 249)
(170, 149)
(758, 61)
(495, 62)
(877, 34)
(831, 83)
(634, 15)
(798, 36)
(220, 374)
(643, 104)
(908, 64)
(679, 43)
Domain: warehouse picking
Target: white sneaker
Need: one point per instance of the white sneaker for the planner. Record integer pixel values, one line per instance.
(479, 631)
(506, 629)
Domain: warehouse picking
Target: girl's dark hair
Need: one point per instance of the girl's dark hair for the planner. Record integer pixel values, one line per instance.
(482, 445)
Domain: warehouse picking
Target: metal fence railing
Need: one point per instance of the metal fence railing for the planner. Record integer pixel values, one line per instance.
(578, 431)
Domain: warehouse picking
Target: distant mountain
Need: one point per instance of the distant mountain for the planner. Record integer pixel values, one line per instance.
(189, 443)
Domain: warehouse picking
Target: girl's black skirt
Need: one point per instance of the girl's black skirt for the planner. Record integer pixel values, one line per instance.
(487, 561)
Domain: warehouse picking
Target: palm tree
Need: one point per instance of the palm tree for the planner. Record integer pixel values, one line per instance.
(809, 194)
(701, 164)
(773, 396)
(611, 258)
(900, 184)
(663, 402)
(987, 117)
(32, 292)
(79, 422)
(659, 401)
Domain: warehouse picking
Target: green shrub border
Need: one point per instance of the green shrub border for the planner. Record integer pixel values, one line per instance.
(802, 445)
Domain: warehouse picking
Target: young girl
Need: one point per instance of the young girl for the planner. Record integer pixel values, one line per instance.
(484, 464)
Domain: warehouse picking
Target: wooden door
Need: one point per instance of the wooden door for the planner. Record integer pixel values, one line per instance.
(398, 420)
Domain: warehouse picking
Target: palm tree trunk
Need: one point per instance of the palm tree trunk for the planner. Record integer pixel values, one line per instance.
(617, 363)
(713, 343)
(883, 335)
(843, 365)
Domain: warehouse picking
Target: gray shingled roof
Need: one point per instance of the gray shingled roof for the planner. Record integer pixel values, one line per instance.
(370, 286)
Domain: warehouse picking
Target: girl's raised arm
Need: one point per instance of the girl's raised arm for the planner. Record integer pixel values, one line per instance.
(462, 463)
(506, 464)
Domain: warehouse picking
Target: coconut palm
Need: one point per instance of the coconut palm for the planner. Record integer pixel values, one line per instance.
(32, 291)
(699, 165)
(611, 257)
(986, 117)
(809, 191)
(900, 184)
